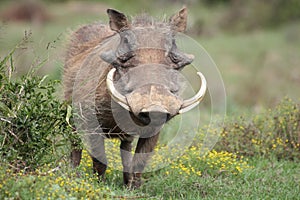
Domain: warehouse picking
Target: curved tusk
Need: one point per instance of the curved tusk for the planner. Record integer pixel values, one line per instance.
(115, 95)
(195, 100)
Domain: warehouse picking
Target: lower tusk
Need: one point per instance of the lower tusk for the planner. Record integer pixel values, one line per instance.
(195, 100)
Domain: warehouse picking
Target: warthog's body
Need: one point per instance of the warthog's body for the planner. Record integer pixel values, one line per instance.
(132, 71)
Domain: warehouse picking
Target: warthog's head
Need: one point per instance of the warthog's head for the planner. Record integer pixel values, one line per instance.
(146, 67)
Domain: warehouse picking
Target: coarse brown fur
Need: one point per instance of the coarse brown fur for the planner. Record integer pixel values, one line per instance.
(82, 43)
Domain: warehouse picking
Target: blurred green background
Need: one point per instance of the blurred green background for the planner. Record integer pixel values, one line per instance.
(255, 44)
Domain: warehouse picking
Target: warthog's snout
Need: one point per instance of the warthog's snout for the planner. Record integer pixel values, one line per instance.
(154, 115)
(153, 104)
(153, 118)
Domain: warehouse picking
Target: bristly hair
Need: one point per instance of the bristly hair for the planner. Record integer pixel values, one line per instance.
(146, 20)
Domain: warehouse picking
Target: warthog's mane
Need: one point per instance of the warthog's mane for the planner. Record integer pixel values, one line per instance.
(145, 20)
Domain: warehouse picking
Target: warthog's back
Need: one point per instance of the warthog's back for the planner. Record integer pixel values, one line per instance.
(83, 42)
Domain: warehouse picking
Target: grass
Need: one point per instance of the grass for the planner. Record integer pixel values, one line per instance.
(257, 68)
(261, 178)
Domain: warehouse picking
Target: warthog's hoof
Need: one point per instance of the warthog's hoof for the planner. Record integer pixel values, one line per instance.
(135, 182)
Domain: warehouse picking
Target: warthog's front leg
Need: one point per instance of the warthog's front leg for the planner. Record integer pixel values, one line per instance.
(126, 155)
(76, 154)
(142, 154)
(97, 152)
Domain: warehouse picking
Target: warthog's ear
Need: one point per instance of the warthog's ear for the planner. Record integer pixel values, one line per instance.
(179, 20)
(117, 20)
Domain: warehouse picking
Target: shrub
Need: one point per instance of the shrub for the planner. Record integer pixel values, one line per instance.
(33, 123)
(275, 132)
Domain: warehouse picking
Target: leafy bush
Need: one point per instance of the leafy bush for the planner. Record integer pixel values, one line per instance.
(275, 132)
(33, 122)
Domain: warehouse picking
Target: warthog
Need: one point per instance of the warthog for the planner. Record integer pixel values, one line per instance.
(132, 70)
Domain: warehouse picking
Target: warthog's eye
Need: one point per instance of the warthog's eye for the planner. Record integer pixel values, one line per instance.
(125, 57)
(124, 51)
(175, 91)
(175, 57)
(126, 47)
(179, 58)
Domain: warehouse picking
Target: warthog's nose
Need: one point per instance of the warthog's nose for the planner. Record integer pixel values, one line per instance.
(153, 118)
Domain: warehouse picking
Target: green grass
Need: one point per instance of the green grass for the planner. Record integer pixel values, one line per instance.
(266, 179)
(258, 68)
(256, 183)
